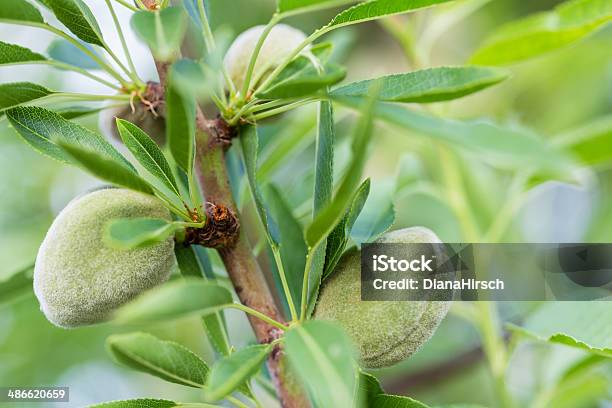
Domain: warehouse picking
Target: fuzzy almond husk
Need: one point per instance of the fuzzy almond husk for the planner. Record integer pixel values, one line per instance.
(78, 279)
(385, 333)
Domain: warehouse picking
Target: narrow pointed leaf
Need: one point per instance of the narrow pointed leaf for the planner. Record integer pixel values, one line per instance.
(78, 18)
(395, 401)
(180, 124)
(541, 33)
(323, 357)
(164, 359)
(331, 215)
(292, 246)
(176, 299)
(106, 169)
(323, 191)
(192, 264)
(583, 325)
(15, 54)
(66, 52)
(377, 215)
(303, 6)
(233, 371)
(249, 144)
(429, 85)
(74, 112)
(501, 147)
(147, 153)
(130, 233)
(43, 129)
(136, 403)
(339, 237)
(17, 93)
(14, 11)
(162, 31)
(375, 9)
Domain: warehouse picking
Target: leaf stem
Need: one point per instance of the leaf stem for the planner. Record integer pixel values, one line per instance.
(132, 71)
(84, 49)
(260, 42)
(127, 5)
(259, 315)
(69, 67)
(90, 97)
(209, 40)
(285, 108)
(283, 277)
(305, 282)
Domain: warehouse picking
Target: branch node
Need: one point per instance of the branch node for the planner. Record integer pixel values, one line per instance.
(221, 229)
(222, 133)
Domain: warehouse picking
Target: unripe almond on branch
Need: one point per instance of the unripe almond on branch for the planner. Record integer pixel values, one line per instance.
(279, 44)
(384, 332)
(78, 279)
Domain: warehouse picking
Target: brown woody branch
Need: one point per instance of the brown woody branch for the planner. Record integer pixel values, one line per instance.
(212, 139)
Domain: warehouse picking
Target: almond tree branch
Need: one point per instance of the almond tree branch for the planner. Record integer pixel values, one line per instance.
(244, 271)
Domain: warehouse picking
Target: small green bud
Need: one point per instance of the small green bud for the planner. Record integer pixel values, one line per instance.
(79, 280)
(279, 43)
(384, 332)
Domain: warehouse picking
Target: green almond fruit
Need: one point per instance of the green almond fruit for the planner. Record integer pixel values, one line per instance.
(278, 45)
(385, 333)
(78, 279)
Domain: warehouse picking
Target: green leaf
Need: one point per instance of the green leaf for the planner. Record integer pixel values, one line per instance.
(188, 262)
(303, 6)
(66, 52)
(17, 93)
(130, 233)
(330, 216)
(180, 124)
(74, 112)
(323, 191)
(164, 359)
(375, 9)
(369, 389)
(137, 403)
(152, 403)
(377, 215)
(106, 168)
(428, 85)
(162, 31)
(78, 18)
(584, 325)
(292, 246)
(15, 54)
(16, 285)
(14, 11)
(543, 32)
(394, 401)
(323, 357)
(339, 237)
(175, 299)
(146, 151)
(43, 129)
(190, 266)
(249, 144)
(590, 143)
(305, 75)
(501, 147)
(233, 371)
